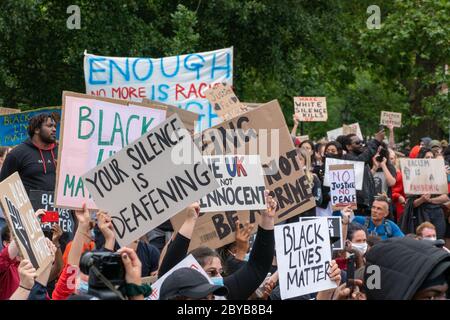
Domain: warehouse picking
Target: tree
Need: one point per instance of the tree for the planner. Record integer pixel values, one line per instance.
(409, 53)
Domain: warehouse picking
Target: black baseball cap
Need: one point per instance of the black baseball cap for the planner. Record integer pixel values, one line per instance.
(187, 282)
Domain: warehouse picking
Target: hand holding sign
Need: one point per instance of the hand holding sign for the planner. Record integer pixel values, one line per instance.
(84, 218)
(27, 274)
(105, 225)
(242, 239)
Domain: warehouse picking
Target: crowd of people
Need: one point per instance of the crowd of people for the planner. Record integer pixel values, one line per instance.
(406, 236)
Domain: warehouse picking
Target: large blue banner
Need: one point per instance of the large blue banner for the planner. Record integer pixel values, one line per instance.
(13, 127)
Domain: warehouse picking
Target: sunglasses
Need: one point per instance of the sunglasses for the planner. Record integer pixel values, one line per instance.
(357, 142)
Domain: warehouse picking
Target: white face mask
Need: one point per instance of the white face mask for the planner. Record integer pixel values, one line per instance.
(361, 247)
(430, 239)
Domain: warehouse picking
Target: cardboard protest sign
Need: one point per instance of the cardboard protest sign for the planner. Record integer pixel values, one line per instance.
(13, 127)
(391, 118)
(45, 200)
(424, 176)
(241, 183)
(4, 110)
(178, 80)
(344, 130)
(311, 108)
(188, 262)
(303, 257)
(92, 130)
(261, 131)
(342, 186)
(188, 118)
(150, 180)
(335, 230)
(358, 167)
(224, 101)
(23, 223)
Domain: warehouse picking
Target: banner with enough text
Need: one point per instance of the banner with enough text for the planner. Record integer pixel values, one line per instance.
(178, 80)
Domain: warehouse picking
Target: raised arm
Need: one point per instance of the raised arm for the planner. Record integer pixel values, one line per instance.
(178, 247)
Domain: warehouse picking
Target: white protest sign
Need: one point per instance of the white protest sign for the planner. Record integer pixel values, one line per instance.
(303, 257)
(241, 181)
(311, 108)
(188, 262)
(177, 80)
(357, 165)
(351, 128)
(422, 176)
(150, 180)
(342, 186)
(391, 118)
(93, 129)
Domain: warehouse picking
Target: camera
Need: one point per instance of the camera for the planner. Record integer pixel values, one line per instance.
(110, 265)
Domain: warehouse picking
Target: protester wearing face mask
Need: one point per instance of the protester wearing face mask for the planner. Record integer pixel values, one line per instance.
(426, 231)
(244, 282)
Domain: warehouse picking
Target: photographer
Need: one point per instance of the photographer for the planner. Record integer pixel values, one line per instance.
(383, 172)
(357, 152)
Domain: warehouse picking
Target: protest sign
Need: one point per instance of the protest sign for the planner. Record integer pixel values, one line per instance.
(303, 257)
(23, 223)
(241, 181)
(261, 131)
(422, 176)
(147, 182)
(342, 186)
(188, 262)
(224, 101)
(311, 108)
(358, 167)
(92, 130)
(303, 138)
(335, 230)
(178, 80)
(4, 110)
(188, 118)
(45, 200)
(13, 127)
(391, 118)
(344, 130)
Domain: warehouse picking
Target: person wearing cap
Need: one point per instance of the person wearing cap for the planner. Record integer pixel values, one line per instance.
(189, 284)
(242, 283)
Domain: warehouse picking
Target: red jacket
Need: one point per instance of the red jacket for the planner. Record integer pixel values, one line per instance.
(66, 284)
(9, 275)
(397, 191)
